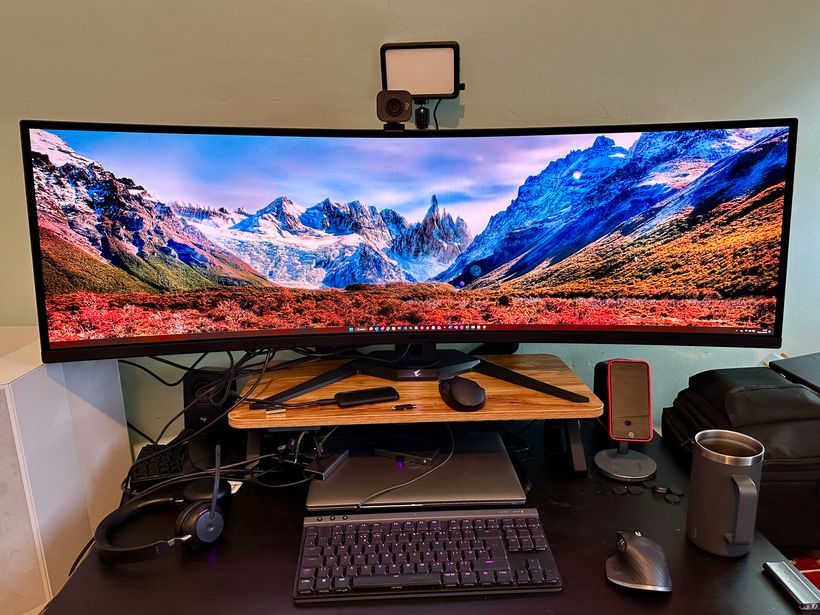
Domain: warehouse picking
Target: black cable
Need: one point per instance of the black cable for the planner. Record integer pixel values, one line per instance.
(286, 406)
(156, 376)
(80, 556)
(187, 368)
(140, 432)
(435, 119)
(207, 393)
(339, 354)
(327, 436)
(301, 481)
(417, 478)
(524, 428)
(125, 483)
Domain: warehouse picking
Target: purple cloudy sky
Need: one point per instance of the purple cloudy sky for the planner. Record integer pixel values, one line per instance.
(472, 177)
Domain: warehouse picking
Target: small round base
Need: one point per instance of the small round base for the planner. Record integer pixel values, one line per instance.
(629, 467)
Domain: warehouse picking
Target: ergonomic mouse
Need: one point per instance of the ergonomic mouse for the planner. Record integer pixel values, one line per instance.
(462, 394)
(639, 563)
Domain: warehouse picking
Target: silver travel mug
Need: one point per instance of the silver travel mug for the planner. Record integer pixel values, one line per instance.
(723, 491)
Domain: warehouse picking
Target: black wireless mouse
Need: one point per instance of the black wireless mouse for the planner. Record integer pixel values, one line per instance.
(462, 394)
(639, 563)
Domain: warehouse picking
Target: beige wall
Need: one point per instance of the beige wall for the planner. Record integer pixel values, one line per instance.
(315, 64)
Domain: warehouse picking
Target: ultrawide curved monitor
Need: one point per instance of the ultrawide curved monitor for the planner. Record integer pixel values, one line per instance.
(157, 239)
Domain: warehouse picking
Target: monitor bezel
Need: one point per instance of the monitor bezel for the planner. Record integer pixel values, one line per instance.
(254, 341)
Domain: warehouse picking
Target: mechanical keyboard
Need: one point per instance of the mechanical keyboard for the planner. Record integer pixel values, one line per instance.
(149, 470)
(431, 553)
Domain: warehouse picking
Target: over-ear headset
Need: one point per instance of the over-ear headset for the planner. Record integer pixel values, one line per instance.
(199, 523)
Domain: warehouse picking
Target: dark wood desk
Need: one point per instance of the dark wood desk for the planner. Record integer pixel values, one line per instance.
(251, 570)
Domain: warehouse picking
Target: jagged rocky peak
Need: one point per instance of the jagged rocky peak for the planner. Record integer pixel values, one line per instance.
(396, 223)
(433, 211)
(199, 213)
(708, 145)
(279, 215)
(367, 265)
(283, 210)
(346, 218)
(602, 141)
(441, 223)
(437, 236)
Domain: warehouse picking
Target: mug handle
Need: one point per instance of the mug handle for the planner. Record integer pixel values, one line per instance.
(746, 497)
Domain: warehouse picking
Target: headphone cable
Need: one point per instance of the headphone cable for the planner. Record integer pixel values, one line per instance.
(217, 460)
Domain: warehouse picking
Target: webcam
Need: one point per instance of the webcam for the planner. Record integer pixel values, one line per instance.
(394, 107)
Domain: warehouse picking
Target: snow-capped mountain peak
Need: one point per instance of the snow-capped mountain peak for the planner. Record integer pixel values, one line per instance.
(57, 150)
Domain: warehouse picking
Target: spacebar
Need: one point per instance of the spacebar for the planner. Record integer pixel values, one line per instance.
(390, 581)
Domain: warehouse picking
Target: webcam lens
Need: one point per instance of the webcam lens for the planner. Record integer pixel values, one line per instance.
(394, 107)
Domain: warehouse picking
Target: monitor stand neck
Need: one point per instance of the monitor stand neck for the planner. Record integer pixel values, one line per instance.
(417, 362)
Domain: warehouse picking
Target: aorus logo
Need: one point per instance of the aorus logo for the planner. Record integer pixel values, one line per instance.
(416, 373)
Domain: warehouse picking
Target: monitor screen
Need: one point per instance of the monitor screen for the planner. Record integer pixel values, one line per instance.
(150, 239)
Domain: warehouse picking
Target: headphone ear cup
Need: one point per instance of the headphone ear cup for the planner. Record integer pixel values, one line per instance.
(196, 520)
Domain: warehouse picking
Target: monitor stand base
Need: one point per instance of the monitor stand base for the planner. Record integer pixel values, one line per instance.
(418, 362)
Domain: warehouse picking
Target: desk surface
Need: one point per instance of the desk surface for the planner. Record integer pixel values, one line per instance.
(505, 401)
(251, 569)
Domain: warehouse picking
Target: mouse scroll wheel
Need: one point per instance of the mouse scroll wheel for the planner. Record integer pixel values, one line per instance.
(621, 544)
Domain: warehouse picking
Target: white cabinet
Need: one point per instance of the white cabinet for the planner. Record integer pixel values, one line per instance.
(63, 452)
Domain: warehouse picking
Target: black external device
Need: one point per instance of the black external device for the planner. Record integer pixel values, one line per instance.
(794, 583)
(462, 394)
(346, 399)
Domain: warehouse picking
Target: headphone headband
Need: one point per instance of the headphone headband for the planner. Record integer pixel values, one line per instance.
(128, 555)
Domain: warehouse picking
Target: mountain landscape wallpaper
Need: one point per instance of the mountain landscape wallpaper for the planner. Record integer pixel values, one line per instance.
(154, 234)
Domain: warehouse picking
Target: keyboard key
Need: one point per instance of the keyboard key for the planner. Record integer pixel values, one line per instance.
(488, 533)
(304, 586)
(522, 576)
(323, 584)
(468, 579)
(341, 584)
(537, 575)
(486, 577)
(450, 579)
(307, 573)
(397, 581)
(504, 577)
